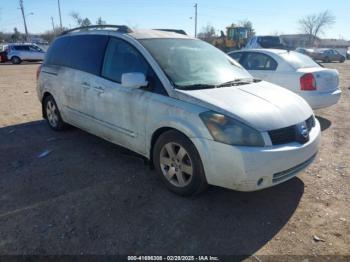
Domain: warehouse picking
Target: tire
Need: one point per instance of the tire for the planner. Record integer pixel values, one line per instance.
(326, 60)
(16, 60)
(342, 60)
(52, 114)
(178, 163)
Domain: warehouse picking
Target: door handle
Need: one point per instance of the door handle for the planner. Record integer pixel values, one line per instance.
(85, 84)
(100, 89)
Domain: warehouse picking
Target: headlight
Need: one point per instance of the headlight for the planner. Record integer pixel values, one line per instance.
(230, 131)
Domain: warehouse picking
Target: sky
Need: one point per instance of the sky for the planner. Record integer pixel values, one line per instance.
(267, 16)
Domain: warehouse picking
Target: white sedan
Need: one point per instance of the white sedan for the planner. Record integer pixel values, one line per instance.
(297, 72)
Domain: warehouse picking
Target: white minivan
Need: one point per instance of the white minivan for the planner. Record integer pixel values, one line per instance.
(196, 114)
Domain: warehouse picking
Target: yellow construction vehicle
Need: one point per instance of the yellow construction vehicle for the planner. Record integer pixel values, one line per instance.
(236, 37)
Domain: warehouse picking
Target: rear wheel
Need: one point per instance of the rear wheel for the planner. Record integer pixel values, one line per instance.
(178, 163)
(52, 114)
(327, 60)
(16, 60)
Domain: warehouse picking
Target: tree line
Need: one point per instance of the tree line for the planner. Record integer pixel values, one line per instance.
(312, 25)
(49, 35)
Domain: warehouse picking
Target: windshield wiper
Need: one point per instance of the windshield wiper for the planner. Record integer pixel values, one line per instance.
(238, 82)
(195, 87)
(235, 82)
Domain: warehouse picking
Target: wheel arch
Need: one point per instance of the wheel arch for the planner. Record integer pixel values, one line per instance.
(184, 128)
(45, 95)
(155, 135)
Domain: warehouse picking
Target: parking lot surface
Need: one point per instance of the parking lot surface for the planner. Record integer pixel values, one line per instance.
(74, 193)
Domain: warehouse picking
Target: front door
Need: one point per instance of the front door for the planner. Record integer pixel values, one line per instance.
(35, 53)
(121, 111)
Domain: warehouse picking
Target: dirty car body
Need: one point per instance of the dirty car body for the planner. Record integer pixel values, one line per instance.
(248, 134)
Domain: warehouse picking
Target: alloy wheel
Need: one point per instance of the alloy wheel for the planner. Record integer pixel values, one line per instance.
(51, 113)
(176, 164)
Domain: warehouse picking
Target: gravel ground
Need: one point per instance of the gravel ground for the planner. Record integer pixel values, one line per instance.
(87, 196)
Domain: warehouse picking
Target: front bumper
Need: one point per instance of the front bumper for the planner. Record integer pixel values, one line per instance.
(255, 168)
(321, 99)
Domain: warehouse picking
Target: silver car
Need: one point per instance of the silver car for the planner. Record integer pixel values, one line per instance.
(16, 53)
(197, 115)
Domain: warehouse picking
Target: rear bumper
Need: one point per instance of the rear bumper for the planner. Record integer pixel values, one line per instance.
(255, 168)
(321, 99)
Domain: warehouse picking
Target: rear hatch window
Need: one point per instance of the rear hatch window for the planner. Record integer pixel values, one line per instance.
(270, 42)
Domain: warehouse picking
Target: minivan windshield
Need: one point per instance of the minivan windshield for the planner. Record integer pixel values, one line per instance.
(194, 64)
(298, 60)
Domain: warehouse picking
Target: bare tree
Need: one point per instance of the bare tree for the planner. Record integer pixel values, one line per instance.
(249, 25)
(76, 17)
(51, 34)
(99, 21)
(86, 22)
(315, 24)
(79, 20)
(16, 36)
(207, 33)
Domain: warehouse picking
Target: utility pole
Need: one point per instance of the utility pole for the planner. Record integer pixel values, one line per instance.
(59, 12)
(53, 24)
(24, 18)
(195, 20)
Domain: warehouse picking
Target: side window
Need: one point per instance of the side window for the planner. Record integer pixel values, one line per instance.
(57, 53)
(86, 52)
(122, 58)
(237, 56)
(258, 61)
(21, 48)
(33, 49)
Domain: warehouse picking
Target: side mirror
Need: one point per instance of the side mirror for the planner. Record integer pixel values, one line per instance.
(134, 80)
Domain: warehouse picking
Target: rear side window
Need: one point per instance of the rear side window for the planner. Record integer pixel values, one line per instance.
(122, 58)
(86, 52)
(269, 41)
(258, 61)
(81, 52)
(21, 48)
(57, 53)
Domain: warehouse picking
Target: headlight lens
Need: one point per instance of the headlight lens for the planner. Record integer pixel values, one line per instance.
(230, 131)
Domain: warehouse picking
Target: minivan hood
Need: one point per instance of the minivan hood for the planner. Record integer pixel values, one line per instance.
(262, 105)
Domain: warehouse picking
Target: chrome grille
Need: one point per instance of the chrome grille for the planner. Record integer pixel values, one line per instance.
(289, 134)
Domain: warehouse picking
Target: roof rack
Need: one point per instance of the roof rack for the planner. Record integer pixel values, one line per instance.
(178, 31)
(118, 28)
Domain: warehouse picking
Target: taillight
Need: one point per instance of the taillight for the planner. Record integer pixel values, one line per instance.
(308, 82)
(38, 72)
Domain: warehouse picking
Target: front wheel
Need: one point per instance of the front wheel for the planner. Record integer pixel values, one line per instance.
(52, 114)
(16, 60)
(178, 163)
